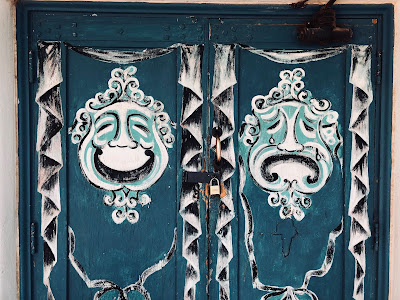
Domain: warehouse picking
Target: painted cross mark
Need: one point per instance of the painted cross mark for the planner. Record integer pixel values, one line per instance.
(287, 231)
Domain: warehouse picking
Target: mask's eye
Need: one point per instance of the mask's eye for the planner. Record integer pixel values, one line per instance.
(143, 130)
(139, 124)
(274, 127)
(105, 127)
(307, 130)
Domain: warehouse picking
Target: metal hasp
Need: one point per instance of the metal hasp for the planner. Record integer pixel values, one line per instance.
(322, 28)
(199, 177)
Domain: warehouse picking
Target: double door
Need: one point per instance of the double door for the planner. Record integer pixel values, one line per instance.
(118, 153)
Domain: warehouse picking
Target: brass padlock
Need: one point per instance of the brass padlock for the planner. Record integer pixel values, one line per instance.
(214, 187)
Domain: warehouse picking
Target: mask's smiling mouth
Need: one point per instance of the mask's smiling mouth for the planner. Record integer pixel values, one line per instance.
(124, 164)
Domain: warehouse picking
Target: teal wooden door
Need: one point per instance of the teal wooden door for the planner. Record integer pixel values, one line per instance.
(126, 100)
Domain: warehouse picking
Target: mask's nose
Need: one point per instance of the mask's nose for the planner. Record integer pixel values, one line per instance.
(123, 139)
(290, 143)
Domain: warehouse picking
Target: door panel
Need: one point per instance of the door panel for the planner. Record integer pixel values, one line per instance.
(125, 247)
(297, 244)
(323, 204)
(127, 227)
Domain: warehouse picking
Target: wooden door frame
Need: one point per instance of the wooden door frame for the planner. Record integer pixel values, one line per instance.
(382, 13)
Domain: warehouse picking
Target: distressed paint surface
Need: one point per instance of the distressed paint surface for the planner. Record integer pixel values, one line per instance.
(287, 292)
(108, 287)
(287, 147)
(125, 142)
(191, 156)
(224, 118)
(48, 146)
(272, 181)
(289, 144)
(360, 77)
(123, 136)
(278, 229)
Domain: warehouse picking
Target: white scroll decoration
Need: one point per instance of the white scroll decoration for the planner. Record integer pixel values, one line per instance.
(106, 285)
(48, 147)
(191, 153)
(224, 118)
(360, 78)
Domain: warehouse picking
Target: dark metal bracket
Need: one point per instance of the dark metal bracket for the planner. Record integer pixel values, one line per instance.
(322, 28)
(199, 177)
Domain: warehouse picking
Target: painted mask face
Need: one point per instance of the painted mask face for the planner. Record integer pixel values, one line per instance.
(123, 148)
(123, 137)
(290, 142)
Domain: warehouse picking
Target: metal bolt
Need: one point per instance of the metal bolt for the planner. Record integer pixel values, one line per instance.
(74, 34)
(74, 24)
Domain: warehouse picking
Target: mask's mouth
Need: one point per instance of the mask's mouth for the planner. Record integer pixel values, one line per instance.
(128, 165)
(290, 168)
(305, 171)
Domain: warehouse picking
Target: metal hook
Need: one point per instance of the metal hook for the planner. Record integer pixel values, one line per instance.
(218, 148)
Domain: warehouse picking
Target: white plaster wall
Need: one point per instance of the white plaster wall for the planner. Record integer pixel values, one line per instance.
(8, 201)
(8, 223)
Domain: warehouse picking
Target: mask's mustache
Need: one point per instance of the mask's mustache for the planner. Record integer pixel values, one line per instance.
(276, 166)
(303, 171)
